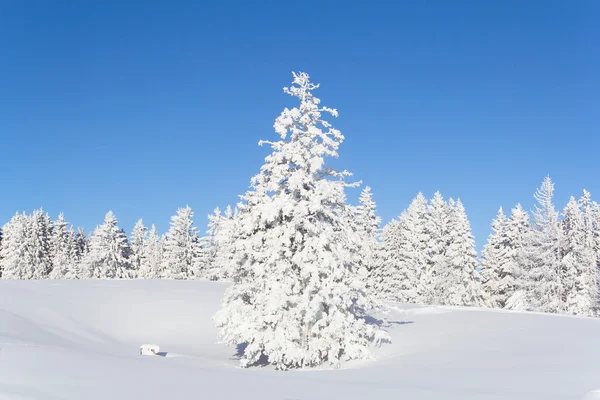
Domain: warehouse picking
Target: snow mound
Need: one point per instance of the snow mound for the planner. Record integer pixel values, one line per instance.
(81, 339)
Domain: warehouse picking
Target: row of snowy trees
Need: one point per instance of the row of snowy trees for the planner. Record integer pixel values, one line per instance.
(540, 262)
(34, 247)
(428, 256)
(545, 263)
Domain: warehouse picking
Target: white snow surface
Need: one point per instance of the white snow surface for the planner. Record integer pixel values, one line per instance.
(81, 340)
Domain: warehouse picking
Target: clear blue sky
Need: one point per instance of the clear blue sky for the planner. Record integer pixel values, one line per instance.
(143, 107)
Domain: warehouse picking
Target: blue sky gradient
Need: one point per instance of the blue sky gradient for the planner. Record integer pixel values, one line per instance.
(143, 109)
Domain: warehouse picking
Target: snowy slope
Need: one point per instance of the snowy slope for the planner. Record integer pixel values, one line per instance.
(80, 340)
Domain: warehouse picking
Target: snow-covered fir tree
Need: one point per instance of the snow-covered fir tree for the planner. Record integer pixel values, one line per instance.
(14, 259)
(496, 262)
(547, 292)
(215, 225)
(81, 243)
(405, 242)
(138, 246)
(438, 223)
(456, 282)
(38, 244)
(151, 263)
(367, 225)
(516, 280)
(107, 257)
(578, 261)
(180, 246)
(297, 298)
(63, 251)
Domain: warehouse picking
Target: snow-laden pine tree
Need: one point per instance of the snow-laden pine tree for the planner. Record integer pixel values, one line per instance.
(516, 281)
(457, 283)
(595, 211)
(62, 250)
(216, 221)
(225, 245)
(496, 262)
(180, 246)
(38, 244)
(107, 257)
(138, 246)
(547, 292)
(297, 298)
(578, 262)
(405, 243)
(14, 259)
(367, 226)
(438, 225)
(81, 245)
(151, 263)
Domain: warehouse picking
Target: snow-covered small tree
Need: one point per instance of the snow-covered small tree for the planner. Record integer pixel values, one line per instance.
(38, 244)
(368, 222)
(457, 282)
(496, 260)
(578, 262)
(151, 263)
(138, 246)
(81, 243)
(547, 292)
(62, 250)
(14, 260)
(516, 281)
(438, 227)
(108, 253)
(298, 299)
(180, 247)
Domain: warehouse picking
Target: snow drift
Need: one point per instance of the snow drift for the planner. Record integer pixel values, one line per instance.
(81, 339)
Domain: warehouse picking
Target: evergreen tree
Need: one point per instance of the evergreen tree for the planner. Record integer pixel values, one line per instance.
(62, 250)
(516, 280)
(38, 244)
(14, 259)
(458, 284)
(180, 247)
(151, 265)
(108, 253)
(81, 246)
(546, 276)
(438, 214)
(215, 225)
(496, 262)
(402, 271)
(367, 225)
(138, 246)
(578, 262)
(297, 298)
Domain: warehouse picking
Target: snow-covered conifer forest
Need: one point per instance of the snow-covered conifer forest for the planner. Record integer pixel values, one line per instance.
(307, 269)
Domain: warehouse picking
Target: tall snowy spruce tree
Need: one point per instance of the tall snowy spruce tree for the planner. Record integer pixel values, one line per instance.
(63, 251)
(547, 292)
(457, 284)
(438, 226)
(14, 260)
(108, 255)
(578, 263)
(151, 263)
(496, 260)
(138, 247)
(516, 282)
(180, 246)
(367, 225)
(298, 299)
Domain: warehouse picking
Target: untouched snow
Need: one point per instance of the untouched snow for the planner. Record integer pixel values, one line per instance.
(81, 340)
